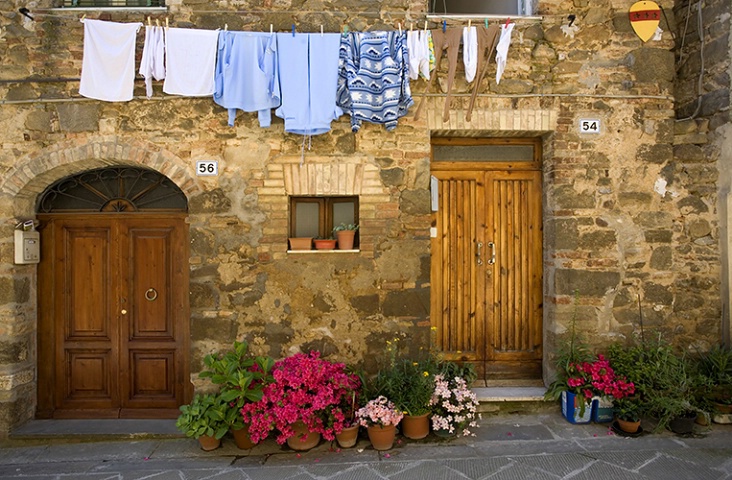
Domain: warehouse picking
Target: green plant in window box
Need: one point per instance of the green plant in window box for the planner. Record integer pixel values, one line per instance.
(345, 226)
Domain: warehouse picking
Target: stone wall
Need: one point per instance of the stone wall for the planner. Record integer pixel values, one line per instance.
(622, 219)
(703, 133)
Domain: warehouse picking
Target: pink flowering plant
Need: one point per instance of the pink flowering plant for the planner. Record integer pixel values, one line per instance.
(379, 411)
(454, 406)
(306, 388)
(597, 378)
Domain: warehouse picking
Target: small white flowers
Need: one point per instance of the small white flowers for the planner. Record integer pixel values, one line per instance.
(454, 406)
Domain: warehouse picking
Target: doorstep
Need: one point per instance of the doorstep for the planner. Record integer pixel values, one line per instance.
(512, 399)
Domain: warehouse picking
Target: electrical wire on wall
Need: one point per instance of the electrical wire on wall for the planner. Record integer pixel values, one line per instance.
(700, 80)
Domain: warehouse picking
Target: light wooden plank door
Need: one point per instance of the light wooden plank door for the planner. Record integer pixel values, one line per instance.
(514, 274)
(487, 271)
(113, 314)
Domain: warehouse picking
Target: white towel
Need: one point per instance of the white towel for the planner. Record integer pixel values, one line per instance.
(153, 53)
(470, 52)
(502, 50)
(190, 61)
(108, 66)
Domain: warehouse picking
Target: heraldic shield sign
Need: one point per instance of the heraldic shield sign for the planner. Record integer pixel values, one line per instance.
(644, 18)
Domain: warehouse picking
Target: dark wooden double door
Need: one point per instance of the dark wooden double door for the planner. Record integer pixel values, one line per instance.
(113, 316)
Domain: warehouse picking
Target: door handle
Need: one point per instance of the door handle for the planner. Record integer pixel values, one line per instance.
(478, 253)
(492, 246)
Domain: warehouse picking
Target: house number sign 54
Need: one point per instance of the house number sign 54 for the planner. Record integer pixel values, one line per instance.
(589, 125)
(207, 167)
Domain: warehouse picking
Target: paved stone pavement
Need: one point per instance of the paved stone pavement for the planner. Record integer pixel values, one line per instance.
(540, 446)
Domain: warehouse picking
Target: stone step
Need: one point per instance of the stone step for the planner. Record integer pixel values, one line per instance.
(513, 399)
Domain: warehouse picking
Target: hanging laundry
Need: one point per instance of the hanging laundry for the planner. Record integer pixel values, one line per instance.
(108, 64)
(470, 52)
(431, 44)
(308, 72)
(152, 64)
(502, 49)
(419, 54)
(246, 74)
(373, 85)
(190, 61)
(448, 40)
(487, 39)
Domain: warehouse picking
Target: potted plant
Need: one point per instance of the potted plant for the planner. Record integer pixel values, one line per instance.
(204, 419)
(305, 391)
(301, 243)
(345, 234)
(380, 417)
(241, 379)
(345, 413)
(417, 386)
(324, 243)
(627, 414)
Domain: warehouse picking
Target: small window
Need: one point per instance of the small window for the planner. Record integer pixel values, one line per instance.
(478, 7)
(316, 216)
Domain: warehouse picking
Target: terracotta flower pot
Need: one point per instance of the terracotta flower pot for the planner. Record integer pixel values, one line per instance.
(324, 244)
(345, 239)
(416, 427)
(208, 442)
(300, 243)
(382, 438)
(242, 439)
(627, 426)
(303, 439)
(348, 437)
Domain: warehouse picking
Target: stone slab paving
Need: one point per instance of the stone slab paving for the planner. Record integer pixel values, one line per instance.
(526, 447)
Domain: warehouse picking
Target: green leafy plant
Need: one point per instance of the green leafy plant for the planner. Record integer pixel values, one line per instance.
(205, 415)
(241, 378)
(627, 409)
(664, 382)
(715, 374)
(345, 226)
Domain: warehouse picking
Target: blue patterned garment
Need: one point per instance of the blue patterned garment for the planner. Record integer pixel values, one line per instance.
(373, 81)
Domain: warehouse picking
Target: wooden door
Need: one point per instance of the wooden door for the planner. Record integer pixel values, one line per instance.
(486, 285)
(113, 315)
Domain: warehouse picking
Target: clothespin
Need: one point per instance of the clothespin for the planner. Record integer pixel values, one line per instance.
(157, 22)
(469, 23)
(293, 29)
(271, 28)
(149, 22)
(507, 20)
(345, 30)
(486, 23)
(400, 28)
(411, 26)
(444, 26)
(166, 22)
(321, 30)
(425, 25)
(226, 26)
(83, 17)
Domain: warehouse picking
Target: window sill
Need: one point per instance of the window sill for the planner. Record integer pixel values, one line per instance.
(323, 251)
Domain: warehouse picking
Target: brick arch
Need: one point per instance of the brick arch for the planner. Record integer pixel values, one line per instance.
(31, 175)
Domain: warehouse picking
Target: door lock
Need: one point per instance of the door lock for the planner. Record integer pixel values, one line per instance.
(478, 253)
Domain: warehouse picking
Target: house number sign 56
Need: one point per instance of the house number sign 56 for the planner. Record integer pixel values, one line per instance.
(207, 167)
(589, 125)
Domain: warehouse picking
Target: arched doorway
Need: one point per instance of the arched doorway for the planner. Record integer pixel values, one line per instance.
(113, 296)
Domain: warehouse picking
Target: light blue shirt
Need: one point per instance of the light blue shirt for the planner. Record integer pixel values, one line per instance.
(246, 74)
(308, 73)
